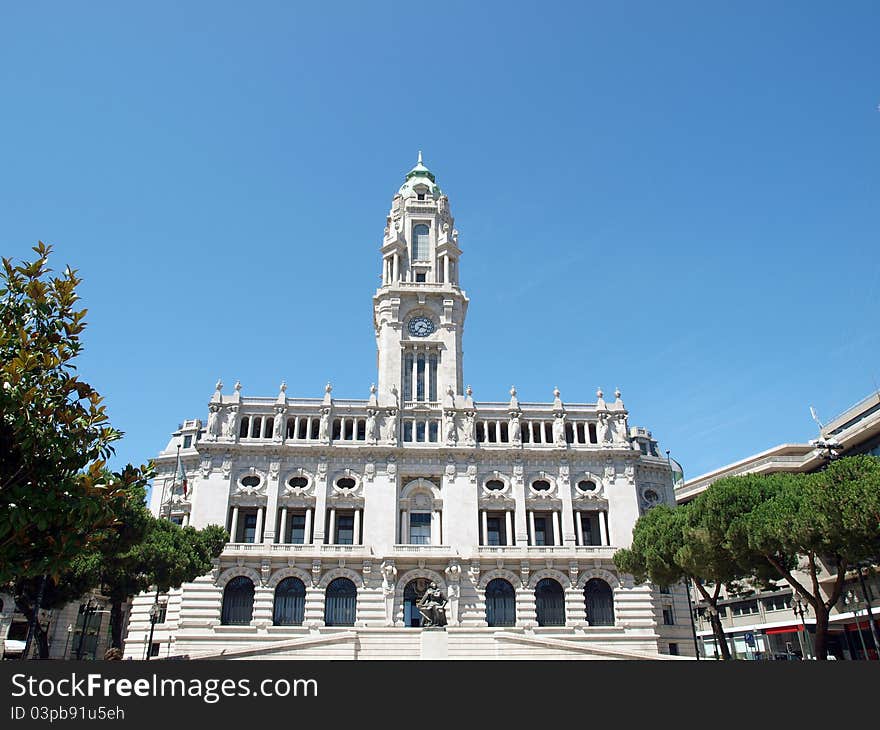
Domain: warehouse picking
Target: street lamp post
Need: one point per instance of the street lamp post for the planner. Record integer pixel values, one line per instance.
(154, 617)
(800, 606)
(67, 643)
(852, 599)
(87, 611)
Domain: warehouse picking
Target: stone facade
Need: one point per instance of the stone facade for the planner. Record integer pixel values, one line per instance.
(417, 482)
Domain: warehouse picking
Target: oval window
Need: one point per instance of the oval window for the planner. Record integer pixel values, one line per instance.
(346, 483)
(586, 485)
(250, 482)
(298, 482)
(541, 485)
(495, 485)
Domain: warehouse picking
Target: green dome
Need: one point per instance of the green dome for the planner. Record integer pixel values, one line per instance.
(419, 175)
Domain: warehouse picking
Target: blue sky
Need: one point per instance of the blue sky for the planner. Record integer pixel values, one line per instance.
(679, 199)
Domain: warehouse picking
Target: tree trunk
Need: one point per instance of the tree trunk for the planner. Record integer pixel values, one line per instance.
(116, 623)
(714, 618)
(821, 645)
(720, 636)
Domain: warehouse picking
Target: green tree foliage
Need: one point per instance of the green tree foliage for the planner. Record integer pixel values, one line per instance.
(673, 544)
(55, 495)
(823, 524)
(147, 552)
(808, 529)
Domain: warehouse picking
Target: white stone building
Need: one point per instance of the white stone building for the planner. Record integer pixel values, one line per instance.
(340, 511)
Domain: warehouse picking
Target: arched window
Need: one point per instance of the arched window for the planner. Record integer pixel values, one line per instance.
(550, 603)
(238, 602)
(412, 594)
(340, 603)
(599, 602)
(500, 603)
(421, 233)
(290, 603)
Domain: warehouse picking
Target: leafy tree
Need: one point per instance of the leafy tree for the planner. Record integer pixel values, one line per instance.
(827, 521)
(55, 436)
(673, 544)
(56, 592)
(166, 558)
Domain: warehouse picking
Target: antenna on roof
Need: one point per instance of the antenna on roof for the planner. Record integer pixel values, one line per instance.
(816, 419)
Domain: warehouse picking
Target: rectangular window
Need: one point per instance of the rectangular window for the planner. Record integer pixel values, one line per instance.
(420, 528)
(177, 519)
(590, 534)
(746, 608)
(163, 613)
(407, 377)
(432, 432)
(541, 531)
(408, 431)
(665, 589)
(249, 528)
(421, 236)
(420, 276)
(345, 529)
(420, 378)
(495, 528)
(673, 649)
(420, 431)
(187, 441)
(154, 649)
(668, 616)
(777, 603)
(298, 529)
(432, 378)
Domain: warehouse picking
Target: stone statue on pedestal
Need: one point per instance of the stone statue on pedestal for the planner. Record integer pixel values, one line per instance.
(432, 606)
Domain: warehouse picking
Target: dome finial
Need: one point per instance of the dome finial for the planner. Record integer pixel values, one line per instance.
(420, 157)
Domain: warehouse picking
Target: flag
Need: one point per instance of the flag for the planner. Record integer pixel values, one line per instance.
(180, 478)
(677, 473)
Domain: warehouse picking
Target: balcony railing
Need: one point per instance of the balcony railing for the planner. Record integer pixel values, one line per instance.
(423, 549)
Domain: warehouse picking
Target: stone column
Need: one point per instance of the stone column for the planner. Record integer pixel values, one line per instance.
(519, 515)
(357, 527)
(532, 526)
(320, 504)
(314, 607)
(233, 528)
(556, 533)
(508, 527)
(526, 613)
(579, 532)
(484, 521)
(273, 487)
(435, 527)
(603, 528)
(282, 536)
(331, 537)
(307, 537)
(258, 534)
(263, 600)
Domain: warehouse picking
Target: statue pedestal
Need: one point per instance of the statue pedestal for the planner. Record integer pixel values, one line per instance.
(435, 643)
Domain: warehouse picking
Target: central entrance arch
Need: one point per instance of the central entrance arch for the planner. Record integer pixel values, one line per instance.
(412, 594)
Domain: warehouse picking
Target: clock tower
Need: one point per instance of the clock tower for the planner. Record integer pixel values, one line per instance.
(419, 310)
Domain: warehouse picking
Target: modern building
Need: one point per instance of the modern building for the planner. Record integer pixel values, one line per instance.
(342, 511)
(771, 624)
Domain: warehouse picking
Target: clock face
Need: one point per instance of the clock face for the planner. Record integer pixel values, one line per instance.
(420, 326)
